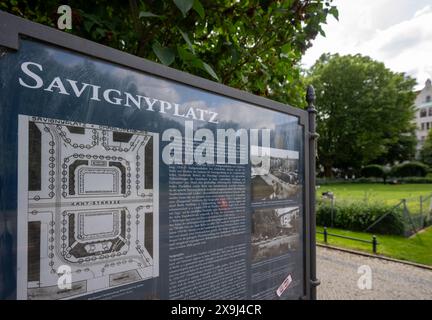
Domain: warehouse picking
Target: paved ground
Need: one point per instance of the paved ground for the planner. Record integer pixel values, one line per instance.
(390, 280)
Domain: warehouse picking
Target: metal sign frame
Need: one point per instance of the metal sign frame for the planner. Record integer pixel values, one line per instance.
(12, 28)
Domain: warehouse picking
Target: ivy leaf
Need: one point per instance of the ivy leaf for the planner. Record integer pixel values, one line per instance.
(184, 5)
(164, 54)
(197, 6)
(147, 14)
(186, 38)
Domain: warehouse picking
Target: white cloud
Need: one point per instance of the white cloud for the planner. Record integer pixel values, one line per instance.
(396, 32)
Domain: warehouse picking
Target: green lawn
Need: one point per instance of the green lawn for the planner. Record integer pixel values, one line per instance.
(379, 192)
(416, 249)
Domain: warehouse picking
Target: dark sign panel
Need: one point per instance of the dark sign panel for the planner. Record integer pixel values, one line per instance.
(119, 182)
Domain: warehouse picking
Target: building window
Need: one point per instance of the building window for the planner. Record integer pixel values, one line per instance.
(423, 113)
(427, 125)
(430, 112)
(428, 99)
(422, 126)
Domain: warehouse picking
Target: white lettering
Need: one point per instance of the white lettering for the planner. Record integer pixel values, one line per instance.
(65, 20)
(107, 97)
(164, 106)
(75, 89)
(150, 103)
(136, 102)
(172, 153)
(34, 76)
(204, 153)
(95, 93)
(213, 117)
(57, 83)
(191, 112)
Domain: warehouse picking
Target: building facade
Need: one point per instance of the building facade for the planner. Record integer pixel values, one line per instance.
(423, 116)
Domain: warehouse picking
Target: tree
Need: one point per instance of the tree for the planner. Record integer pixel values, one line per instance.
(426, 151)
(364, 110)
(254, 45)
(403, 149)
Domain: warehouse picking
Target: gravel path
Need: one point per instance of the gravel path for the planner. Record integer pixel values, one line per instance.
(390, 280)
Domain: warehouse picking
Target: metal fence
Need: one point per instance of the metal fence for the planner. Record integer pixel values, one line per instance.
(373, 242)
(417, 214)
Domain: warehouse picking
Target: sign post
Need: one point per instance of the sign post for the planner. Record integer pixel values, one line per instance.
(125, 179)
(313, 136)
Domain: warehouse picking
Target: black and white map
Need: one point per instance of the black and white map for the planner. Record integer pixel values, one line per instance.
(88, 201)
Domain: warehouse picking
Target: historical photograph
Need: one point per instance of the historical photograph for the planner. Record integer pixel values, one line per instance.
(274, 174)
(275, 232)
(88, 204)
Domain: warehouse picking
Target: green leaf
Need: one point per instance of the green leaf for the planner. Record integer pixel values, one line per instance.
(210, 71)
(334, 12)
(321, 32)
(194, 61)
(197, 6)
(184, 5)
(186, 38)
(164, 54)
(235, 56)
(185, 55)
(146, 14)
(100, 32)
(286, 48)
(88, 25)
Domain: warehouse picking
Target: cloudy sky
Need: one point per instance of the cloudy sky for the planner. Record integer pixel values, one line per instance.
(396, 32)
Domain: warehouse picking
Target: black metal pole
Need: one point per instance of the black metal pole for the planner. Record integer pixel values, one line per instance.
(310, 99)
(374, 244)
(325, 235)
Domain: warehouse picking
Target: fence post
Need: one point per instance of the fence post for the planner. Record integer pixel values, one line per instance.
(406, 217)
(325, 235)
(374, 244)
(421, 206)
(332, 212)
(430, 208)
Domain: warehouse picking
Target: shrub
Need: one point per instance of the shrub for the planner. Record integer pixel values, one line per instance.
(359, 216)
(427, 179)
(410, 169)
(330, 181)
(372, 171)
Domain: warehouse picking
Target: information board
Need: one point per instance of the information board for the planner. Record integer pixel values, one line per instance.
(134, 181)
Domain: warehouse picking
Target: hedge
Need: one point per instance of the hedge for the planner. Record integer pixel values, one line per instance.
(413, 180)
(406, 180)
(359, 216)
(373, 170)
(409, 169)
(329, 181)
